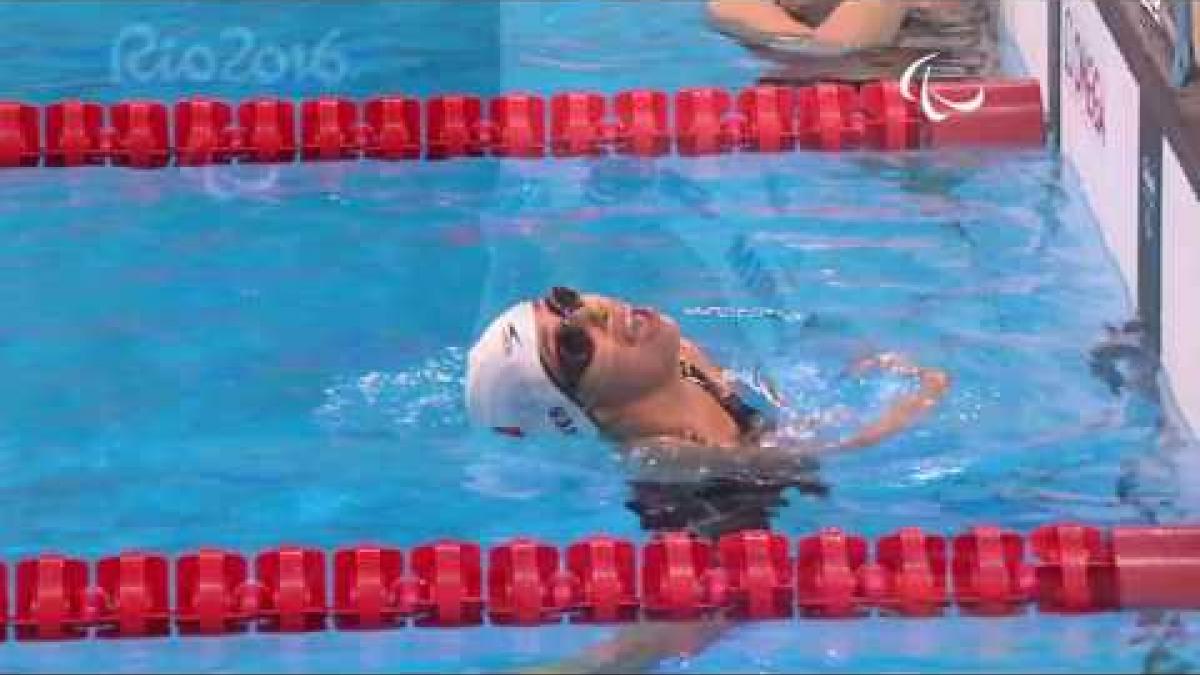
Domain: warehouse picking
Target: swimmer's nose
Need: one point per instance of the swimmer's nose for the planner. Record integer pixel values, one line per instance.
(596, 313)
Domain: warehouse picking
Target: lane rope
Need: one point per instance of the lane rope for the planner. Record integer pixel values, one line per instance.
(199, 131)
(674, 576)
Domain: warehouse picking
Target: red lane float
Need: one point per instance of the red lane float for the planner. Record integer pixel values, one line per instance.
(892, 122)
(525, 586)
(455, 127)
(74, 134)
(393, 128)
(1076, 571)
(449, 586)
(329, 129)
(20, 135)
(139, 136)
(367, 587)
(770, 118)
(267, 132)
(3, 601)
(911, 568)
(133, 597)
(989, 575)
(51, 602)
(212, 593)
(604, 570)
(830, 118)
(749, 575)
(642, 123)
(293, 589)
(829, 570)
(679, 581)
(702, 125)
(759, 575)
(203, 132)
(518, 126)
(577, 124)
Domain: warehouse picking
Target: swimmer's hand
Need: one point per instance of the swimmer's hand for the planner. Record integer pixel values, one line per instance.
(907, 409)
(889, 361)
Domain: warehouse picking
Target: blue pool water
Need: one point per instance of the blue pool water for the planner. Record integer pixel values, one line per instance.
(245, 357)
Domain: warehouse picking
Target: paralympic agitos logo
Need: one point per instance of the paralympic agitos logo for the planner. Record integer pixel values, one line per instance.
(933, 103)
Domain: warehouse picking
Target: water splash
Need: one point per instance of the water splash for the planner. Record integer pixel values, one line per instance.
(427, 396)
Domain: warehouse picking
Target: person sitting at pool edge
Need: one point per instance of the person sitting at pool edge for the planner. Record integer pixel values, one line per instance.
(705, 459)
(861, 40)
(836, 25)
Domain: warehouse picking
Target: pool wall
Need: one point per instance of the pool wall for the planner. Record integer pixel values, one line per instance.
(1121, 132)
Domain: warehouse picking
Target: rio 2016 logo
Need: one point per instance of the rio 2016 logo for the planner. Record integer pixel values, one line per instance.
(1083, 72)
(930, 100)
(142, 53)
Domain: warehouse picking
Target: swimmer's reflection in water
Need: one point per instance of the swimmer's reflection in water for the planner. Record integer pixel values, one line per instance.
(702, 455)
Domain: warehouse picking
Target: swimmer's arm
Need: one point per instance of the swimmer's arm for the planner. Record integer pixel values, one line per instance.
(907, 409)
(641, 648)
(671, 459)
(755, 20)
(860, 24)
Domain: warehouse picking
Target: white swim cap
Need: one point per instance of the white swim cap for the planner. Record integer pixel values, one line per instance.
(507, 385)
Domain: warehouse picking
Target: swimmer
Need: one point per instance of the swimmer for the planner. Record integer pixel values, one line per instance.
(861, 40)
(703, 457)
(811, 26)
(571, 363)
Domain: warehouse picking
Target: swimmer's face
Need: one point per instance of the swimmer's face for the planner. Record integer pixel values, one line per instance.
(633, 350)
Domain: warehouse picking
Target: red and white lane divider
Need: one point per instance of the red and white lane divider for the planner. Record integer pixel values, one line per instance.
(755, 575)
(698, 121)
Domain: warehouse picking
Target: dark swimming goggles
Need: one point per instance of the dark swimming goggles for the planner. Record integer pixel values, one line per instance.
(572, 344)
(575, 351)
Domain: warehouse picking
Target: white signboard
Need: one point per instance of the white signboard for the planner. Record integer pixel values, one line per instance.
(1100, 118)
(1027, 27)
(1181, 286)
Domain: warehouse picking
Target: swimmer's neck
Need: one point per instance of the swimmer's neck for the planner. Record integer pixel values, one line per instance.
(678, 409)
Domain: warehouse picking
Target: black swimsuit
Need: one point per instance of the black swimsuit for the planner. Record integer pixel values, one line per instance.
(750, 422)
(716, 506)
